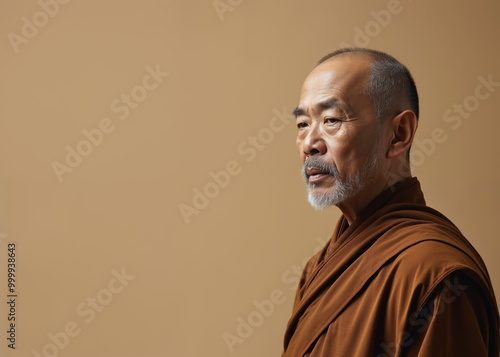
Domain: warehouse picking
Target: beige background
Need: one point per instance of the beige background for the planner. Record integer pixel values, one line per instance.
(119, 208)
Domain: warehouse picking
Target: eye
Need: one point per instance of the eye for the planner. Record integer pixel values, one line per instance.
(331, 120)
(302, 125)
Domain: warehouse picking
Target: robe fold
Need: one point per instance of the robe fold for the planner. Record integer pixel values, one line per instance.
(400, 281)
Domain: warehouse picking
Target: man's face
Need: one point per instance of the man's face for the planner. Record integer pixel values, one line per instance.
(338, 136)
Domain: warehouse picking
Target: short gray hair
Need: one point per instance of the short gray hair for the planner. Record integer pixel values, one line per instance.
(389, 84)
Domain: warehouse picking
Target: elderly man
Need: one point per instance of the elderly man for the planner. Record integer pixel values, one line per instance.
(397, 278)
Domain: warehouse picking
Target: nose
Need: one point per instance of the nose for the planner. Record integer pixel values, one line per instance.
(313, 143)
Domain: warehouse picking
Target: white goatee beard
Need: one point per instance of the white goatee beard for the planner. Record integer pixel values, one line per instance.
(345, 188)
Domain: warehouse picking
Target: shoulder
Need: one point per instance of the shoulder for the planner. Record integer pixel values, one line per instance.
(433, 256)
(427, 267)
(431, 247)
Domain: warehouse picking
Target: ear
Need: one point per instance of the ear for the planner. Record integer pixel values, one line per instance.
(403, 128)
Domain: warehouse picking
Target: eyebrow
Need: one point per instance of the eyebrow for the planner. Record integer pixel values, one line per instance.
(298, 112)
(327, 104)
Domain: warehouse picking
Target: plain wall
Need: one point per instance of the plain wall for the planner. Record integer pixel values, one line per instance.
(190, 281)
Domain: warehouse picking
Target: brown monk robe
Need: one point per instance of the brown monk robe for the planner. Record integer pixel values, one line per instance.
(400, 281)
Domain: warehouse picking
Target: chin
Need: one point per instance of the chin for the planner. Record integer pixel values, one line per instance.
(321, 199)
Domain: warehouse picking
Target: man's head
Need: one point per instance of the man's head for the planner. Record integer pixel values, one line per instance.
(356, 120)
(390, 82)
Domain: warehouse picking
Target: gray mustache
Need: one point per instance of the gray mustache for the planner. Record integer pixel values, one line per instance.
(320, 164)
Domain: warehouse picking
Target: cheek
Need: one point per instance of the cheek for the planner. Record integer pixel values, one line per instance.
(368, 143)
(339, 149)
(349, 153)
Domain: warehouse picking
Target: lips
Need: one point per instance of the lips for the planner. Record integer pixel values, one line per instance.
(315, 174)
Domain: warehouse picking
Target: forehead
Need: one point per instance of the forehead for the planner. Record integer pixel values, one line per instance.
(343, 77)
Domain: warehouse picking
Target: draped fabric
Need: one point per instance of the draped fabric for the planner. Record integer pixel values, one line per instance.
(400, 281)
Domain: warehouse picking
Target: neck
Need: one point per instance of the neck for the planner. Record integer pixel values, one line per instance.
(353, 207)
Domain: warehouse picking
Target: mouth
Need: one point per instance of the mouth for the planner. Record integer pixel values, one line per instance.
(315, 174)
